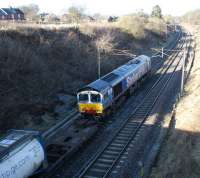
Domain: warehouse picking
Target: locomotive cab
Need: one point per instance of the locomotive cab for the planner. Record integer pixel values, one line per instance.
(99, 98)
(90, 102)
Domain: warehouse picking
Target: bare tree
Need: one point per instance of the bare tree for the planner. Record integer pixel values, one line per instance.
(134, 24)
(192, 17)
(98, 17)
(75, 14)
(65, 18)
(104, 45)
(52, 18)
(31, 12)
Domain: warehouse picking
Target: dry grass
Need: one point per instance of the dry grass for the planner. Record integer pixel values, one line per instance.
(138, 26)
(134, 25)
(9, 25)
(37, 62)
(192, 17)
(180, 156)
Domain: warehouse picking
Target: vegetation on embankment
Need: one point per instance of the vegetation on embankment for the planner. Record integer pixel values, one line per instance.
(192, 17)
(180, 156)
(37, 63)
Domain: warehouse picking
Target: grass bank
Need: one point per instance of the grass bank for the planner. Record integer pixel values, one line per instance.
(39, 62)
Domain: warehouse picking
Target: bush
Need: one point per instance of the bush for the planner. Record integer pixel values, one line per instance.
(156, 26)
(139, 25)
(38, 63)
(192, 17)
(134, 25)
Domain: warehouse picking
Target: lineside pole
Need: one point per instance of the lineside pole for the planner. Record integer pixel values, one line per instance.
(183, 72)
(162, 52)
(99, 63)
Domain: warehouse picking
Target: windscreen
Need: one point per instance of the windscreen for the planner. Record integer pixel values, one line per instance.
(95, 98)
(83, 97)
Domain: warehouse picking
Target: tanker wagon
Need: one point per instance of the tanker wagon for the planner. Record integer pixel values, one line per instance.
(21, 154)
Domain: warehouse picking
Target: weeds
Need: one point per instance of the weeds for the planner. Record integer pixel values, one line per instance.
(36, 63)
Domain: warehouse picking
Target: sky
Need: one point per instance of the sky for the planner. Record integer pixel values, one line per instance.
(109, 7)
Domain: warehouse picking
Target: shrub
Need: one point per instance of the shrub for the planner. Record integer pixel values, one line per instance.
(134, 25)
(37, 63)
(192, 17)
(156, 25)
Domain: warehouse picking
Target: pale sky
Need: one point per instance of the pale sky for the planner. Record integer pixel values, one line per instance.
(109, 7)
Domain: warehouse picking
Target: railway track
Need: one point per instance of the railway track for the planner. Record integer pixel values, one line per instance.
(102, 164)
(48, 134)
(60, 152)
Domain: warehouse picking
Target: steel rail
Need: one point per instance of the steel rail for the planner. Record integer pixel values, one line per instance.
(69, 120)
(139, 127)
(98, 155)
(64, 123)
(74, 114)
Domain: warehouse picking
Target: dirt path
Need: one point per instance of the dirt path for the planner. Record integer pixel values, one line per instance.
(180, 154)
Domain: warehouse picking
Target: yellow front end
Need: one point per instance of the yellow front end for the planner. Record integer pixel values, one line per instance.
(91, 108)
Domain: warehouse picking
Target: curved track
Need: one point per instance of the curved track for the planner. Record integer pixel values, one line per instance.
(102, 164)
(69, 120)
(120, 142)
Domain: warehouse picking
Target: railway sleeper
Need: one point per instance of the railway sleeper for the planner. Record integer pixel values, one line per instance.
(125, 139)
(125, 132)
(115, 148)
(90, 176)
(122, 137)
(98, 170)
(131, 125)
(112, 152)
(117, 144)
(97, 164)
(130, 128)
(108, 156)
(121, 142)
(105, 160)
(93, 175)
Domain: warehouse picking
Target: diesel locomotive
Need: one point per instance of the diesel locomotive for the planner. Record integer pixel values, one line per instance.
(101, 96)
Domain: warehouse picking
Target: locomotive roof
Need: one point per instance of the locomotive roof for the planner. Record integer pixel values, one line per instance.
(129, 67)
(116, 75)
(98, 85)
(119, 73)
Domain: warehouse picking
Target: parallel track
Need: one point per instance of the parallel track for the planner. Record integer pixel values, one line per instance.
(64, 123)
(68, 121)
(48, 134)
(101, 165)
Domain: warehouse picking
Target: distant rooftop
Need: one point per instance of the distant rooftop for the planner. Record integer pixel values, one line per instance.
(11, 10)
(11, 14)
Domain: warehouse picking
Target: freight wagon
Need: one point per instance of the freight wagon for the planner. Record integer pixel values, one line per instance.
(21, 154)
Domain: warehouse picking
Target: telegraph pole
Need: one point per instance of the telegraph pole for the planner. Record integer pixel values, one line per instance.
(99, 63)
(182, 67)
(183, 72)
